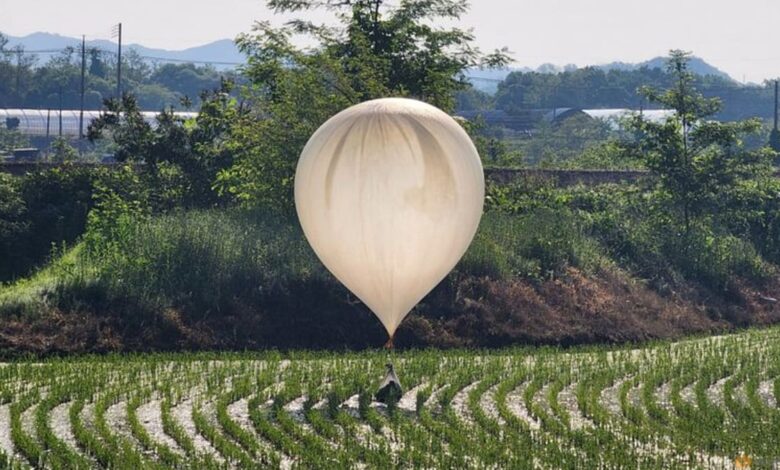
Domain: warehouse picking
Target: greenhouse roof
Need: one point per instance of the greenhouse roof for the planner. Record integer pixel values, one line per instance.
(45, 122)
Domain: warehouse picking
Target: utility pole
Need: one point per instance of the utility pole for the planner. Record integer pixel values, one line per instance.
(83, 73)
(776, 99)
(19, 51)
(60, 114)
(118, 33)
(774, 137)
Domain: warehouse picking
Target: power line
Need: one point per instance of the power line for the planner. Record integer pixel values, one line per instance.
(187, 61)
(739, 87)
(214, 62)
(763, 88)
(114, 53)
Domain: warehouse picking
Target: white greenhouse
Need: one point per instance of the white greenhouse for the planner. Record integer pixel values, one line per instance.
(47, 122)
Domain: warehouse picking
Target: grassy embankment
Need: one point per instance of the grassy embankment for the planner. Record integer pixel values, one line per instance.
(548, 266)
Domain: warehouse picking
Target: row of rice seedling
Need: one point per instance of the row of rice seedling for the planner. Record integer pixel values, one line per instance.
(700, 403)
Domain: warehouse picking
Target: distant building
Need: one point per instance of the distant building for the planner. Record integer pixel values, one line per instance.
(525, 120)
(615, 115)
(43, 122)
(25, 154)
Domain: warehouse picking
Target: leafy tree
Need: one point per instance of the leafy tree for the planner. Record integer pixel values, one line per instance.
(554, 144)
(154, 97)
(11, 139)
(186, 79)
(120, 201)
(134, 67)
(591, 87)
(16, 74)
(97, 66)
(376, 50)
(472, 99)
(197, 148)
(41, 210)
(133, 136)
(13, 227)
(62, 151)
(700, 163)
(610, 154)
(28, 84)
(491, 144)
(588, 87)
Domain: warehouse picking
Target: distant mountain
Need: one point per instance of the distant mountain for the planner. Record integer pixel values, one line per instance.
(223, 53)
(696, 65)
(487, 80)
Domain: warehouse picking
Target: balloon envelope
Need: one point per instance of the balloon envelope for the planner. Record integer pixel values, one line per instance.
(389, 194)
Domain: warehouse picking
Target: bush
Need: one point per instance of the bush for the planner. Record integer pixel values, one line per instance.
(14, 227)
(755, 216)
(641, 235)
(46, 210)
(11, 139)
(539, 244)
(40, 211)
(198, 261)
(608, 155)
(716, 259)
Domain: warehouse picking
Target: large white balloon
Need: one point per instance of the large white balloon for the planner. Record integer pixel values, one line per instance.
(389, 194)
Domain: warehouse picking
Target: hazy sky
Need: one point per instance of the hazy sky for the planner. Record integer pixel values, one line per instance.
(740, 37)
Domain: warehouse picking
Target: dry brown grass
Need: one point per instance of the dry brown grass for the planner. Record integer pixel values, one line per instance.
(607, 306)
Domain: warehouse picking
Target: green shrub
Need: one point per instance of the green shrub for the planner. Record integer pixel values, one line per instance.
(13, 226)
(41, 210)
(197, 260)
(538, 244)
(642, 236)
(11, 139)
(755, 216)
(715, 259)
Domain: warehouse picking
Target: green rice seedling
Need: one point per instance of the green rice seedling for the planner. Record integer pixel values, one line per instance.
(696, 403)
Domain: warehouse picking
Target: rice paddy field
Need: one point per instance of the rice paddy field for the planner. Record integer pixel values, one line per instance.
(698, 403)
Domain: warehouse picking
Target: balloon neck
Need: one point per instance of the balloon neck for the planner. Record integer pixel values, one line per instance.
(389, 344)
